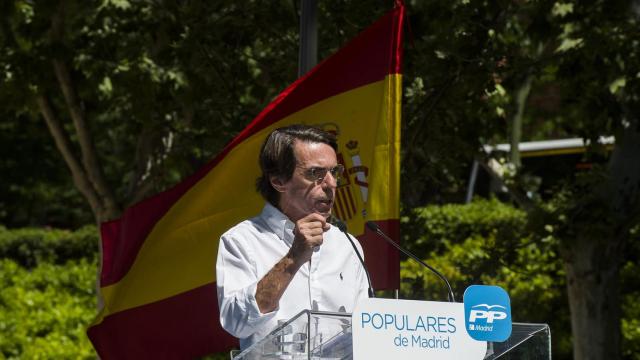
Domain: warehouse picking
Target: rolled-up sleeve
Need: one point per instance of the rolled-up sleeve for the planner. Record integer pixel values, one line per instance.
(237, 280)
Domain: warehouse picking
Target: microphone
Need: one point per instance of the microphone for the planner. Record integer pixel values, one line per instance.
(374, 227)
(343, 227)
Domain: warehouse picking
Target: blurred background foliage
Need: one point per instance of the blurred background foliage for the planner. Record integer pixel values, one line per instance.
(48, 282)
(162, 86)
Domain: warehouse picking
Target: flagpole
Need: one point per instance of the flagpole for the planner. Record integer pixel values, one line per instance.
(308, 54)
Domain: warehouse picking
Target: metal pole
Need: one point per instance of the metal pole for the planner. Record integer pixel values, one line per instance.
(472, 182)
(308, 55)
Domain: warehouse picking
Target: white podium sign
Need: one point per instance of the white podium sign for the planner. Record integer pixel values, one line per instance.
(407, 329)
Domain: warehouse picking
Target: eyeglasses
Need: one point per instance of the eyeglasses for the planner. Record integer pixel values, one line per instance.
(318, 174)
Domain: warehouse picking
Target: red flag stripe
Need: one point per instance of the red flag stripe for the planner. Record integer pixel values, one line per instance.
(376, 248)
(128, 334)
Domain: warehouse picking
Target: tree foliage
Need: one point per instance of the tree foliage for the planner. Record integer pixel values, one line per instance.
(138, 95)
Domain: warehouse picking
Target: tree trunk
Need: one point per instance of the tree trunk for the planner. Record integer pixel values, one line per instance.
(515, 128)
(592, 260)
(592, 269)
(63, 144)
(109, 209)
(105, 207)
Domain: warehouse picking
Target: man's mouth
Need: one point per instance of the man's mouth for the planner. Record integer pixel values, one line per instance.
(326, 203)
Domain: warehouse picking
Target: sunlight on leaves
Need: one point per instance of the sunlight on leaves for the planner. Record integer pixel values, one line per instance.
(568, 44)
(561, 9)
(118, 4)
(617, 84)
(567, 41)
(105, 87)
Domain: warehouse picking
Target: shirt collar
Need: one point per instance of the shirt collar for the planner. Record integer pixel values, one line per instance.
(278, 222)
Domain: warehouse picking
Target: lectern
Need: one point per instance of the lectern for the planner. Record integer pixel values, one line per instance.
(327, 335)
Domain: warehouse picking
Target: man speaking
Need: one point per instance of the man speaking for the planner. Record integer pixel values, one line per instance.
(288, 258)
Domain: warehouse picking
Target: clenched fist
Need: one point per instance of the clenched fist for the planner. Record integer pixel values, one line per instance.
(308, 234)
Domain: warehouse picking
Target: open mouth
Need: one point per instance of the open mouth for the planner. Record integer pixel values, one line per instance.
(325, 205)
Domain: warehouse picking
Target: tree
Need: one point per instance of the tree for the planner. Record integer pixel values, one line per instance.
(137, 95)
(586, 67)
(595, 215)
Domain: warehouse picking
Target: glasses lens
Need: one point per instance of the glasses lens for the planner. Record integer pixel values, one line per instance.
(318, 173)
(337, 171)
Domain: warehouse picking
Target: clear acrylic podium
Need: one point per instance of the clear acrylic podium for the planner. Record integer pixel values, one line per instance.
(322, 335)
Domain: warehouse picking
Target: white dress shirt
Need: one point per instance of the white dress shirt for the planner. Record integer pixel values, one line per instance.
(332, 281)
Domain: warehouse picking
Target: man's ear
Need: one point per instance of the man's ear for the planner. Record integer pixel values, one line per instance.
(277, 183)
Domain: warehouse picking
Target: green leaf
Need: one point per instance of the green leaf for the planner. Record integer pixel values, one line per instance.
(105, 87)
(562, 9)
(617, 85)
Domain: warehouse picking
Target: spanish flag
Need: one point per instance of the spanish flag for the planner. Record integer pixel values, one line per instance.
(158, 278)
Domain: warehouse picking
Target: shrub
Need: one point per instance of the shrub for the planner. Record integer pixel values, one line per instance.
(487, 242)
(433, 228)
(44, 311)
(30, 246)
(48, 280)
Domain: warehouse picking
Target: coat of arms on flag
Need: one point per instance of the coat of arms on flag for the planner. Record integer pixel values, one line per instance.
(352, 191)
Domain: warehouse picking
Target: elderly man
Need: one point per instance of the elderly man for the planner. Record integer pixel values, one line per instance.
(288, 258)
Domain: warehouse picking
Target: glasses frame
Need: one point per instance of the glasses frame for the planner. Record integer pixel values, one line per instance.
(312, 174)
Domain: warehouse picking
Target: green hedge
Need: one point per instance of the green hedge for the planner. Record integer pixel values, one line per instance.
(487, 242)
(44, 311)
(30, 246)
(433, 228)
(48, 281)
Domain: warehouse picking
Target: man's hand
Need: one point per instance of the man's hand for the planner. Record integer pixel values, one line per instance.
(308, 234)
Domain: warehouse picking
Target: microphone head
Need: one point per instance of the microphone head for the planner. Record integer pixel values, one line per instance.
(372, 226)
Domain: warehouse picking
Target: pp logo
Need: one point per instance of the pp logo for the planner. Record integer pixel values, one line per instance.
(487, 313)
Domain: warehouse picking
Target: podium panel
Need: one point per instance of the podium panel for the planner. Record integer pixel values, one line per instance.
(527, 342)
(308, 335)
(322, 335)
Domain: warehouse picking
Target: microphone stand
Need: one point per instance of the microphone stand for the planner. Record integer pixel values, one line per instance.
(374, 227)
(343, 227)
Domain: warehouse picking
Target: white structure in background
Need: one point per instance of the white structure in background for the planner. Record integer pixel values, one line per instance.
(529, 149)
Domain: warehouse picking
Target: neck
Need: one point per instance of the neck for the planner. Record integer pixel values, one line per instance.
(283, 209)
